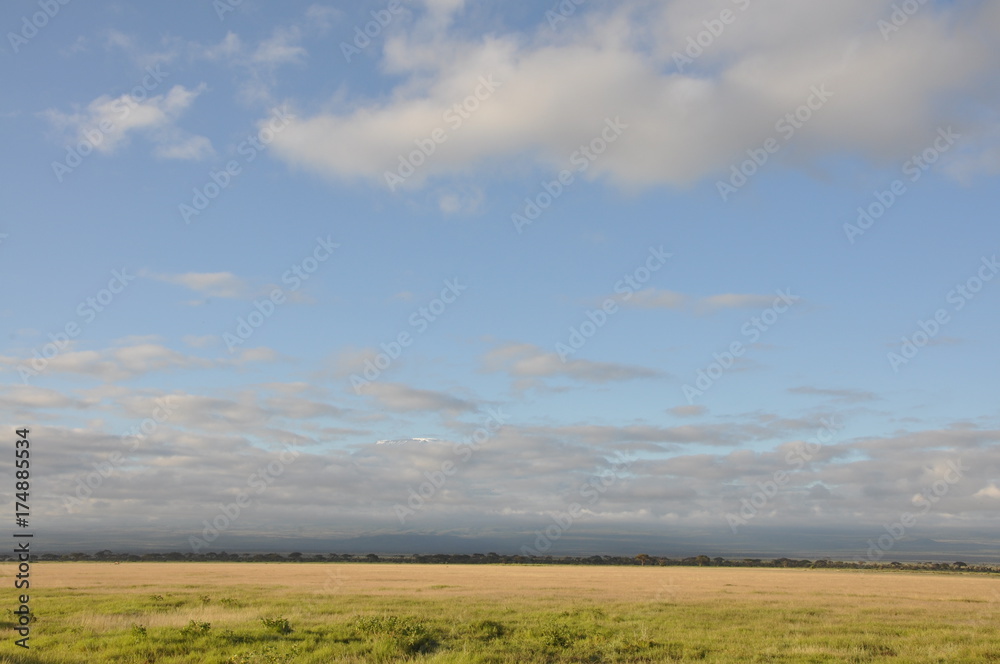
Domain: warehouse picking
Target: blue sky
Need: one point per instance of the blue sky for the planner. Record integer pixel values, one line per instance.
(263, 199)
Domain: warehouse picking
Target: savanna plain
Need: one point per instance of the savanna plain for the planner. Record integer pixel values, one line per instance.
(249, 613)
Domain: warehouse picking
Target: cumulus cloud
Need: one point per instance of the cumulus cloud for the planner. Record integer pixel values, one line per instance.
(555, 90)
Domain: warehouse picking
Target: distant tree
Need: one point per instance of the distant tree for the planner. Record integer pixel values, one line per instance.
(643, 558)
(372, 558)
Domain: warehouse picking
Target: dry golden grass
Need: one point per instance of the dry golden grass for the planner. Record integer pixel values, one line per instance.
(596, 584)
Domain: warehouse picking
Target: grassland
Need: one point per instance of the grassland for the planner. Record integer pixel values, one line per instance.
(241, 613)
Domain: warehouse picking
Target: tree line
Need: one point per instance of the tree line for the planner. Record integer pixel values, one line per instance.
(491, 558)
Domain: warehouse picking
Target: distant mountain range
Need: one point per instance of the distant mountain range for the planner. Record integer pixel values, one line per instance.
(406, 441)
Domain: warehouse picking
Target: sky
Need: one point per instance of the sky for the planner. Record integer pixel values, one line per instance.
(578, 277)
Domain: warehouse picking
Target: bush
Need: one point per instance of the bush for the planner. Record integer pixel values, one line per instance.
(487, 630)
(409, 635)
(195, 628)
(279, 625)
(266, 655)
(139, 631)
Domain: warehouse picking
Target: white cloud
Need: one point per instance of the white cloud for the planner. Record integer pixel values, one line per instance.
(462, 202)
(527, 361)
(208, 284)
(403, 398)
(106, 123)
(735, 301)
(991, 491)
(192, 148)
(128, 359)
(654, 298)
(204, 341)
(687, 411)
(682, 127)
(842, 395)
(282, 47)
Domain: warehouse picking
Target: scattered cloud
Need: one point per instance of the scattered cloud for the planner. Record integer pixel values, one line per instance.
(403, 398)
(655, 298)
(107, 123)
(687, 411)
(845, 396)
(208, 284)
(528, 361)
(281, 48)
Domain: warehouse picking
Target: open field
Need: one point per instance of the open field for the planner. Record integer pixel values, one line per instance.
(211, 612)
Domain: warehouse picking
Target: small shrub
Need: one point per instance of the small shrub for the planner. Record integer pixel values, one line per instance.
(265, 655)
(15, 617)
(488, 630)
(195, 628)
(229, 636)
(409, 635)
(205, 599)
(139, 631)
(156, 598)
(279, 625)
(229, 602)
